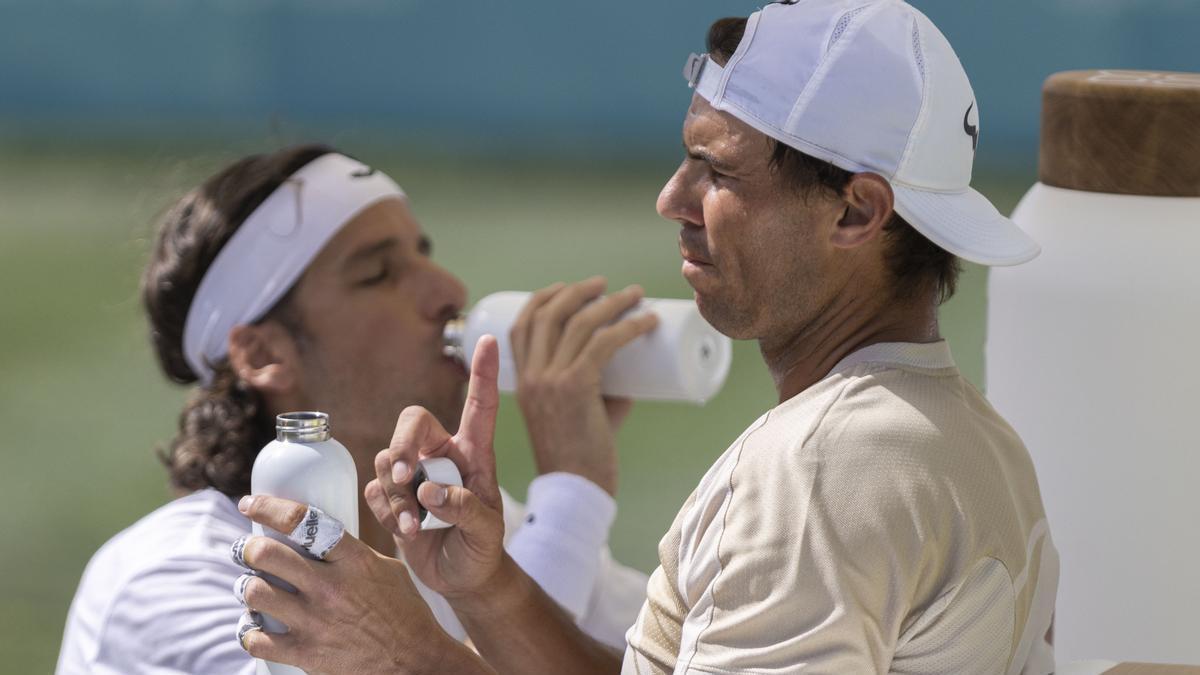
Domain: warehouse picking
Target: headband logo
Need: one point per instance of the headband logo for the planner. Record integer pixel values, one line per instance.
(364, 172)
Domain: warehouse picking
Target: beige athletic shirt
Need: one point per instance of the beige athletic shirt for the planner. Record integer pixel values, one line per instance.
(886, 519)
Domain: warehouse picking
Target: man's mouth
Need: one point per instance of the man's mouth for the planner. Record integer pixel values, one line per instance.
(691, 252)
(456, 364)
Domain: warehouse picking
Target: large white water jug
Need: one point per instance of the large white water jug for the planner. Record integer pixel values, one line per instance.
(1092, 354)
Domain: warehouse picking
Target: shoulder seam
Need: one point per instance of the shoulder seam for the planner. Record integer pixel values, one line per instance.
(721, 537)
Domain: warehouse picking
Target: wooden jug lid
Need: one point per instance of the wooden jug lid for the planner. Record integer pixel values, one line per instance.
(1122, 132)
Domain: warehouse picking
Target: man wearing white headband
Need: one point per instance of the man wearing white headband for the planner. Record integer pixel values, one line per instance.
(883, 517)
(300, 281)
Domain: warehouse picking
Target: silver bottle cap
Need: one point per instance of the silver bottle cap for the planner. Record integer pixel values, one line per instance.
(302, 427)
(452, 338)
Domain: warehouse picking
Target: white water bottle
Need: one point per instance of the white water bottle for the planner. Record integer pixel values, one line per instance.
(305, 464)
(683, 359)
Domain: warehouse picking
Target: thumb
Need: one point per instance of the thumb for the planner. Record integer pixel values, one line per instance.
(462, 509)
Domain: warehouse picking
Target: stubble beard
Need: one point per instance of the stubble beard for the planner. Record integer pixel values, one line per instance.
(449, 411)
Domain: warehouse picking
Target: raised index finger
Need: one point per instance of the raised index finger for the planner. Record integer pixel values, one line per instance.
(477, 429)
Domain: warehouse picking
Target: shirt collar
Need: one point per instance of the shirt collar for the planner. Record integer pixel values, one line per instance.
(926, 355)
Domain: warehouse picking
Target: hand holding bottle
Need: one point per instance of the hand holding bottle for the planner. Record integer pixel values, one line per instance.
(356, 612)
(561, 342)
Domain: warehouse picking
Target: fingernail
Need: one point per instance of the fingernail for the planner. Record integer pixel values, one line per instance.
(399, 472)
(245, 502)
(438, 497)
(406, 522)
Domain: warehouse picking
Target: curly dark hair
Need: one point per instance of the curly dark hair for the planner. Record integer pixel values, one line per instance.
(222, 426)
(917, 264)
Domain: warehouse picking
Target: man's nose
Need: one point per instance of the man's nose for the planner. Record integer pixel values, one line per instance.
(446, 296)
(677, 201)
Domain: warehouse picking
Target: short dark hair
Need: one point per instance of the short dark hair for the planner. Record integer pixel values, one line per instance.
(916, 263)
(223, 425)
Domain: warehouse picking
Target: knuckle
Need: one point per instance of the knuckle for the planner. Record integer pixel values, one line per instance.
(413, 412)
(600, 340)
(531, 384)
(257, 551)
(383, 464)
(567, 382)
(575, 329)
(397, 501)
(294, 514)
(373, 491)
(256, 643)
(583, 378)
(254, 591)
(621, 332)
(544, 314)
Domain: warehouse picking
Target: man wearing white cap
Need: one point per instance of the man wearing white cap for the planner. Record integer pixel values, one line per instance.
(299, 280)
(882, 517)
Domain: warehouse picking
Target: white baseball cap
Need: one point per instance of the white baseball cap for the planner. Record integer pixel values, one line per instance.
(869, 85)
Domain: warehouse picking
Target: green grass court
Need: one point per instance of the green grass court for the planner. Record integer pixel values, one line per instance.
(82, 404)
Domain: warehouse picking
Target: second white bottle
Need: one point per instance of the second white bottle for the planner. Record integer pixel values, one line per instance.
(683, 359)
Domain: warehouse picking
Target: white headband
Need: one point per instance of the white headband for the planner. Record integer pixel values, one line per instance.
(273, 247)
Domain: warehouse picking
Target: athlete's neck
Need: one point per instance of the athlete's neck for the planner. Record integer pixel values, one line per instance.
(805, 355)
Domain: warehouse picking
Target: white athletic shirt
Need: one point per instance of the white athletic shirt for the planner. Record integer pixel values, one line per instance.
(885, 519)
(157, 599)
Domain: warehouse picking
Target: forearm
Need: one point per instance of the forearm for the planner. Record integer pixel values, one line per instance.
(517, 628)
(455, 657)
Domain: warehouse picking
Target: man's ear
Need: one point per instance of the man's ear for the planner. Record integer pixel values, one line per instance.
(869, 201)
(265, 356)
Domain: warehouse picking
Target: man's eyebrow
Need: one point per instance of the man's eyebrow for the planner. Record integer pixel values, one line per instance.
(370, 250)
(712, 160)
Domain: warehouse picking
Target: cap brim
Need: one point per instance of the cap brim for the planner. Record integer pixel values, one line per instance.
(967, 225)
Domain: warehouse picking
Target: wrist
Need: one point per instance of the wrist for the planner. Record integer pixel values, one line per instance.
(603, 476)
(450, 656)
(507, 589)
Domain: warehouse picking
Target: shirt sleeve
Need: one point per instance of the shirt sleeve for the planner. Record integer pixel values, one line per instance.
(809, 562)
(178, 617)
(559, 542)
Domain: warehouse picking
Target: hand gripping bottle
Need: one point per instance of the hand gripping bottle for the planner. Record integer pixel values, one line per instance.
(305, 464)
(683, 359)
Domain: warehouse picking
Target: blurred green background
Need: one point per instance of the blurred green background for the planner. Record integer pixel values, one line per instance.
(533, 138)
(82, 405)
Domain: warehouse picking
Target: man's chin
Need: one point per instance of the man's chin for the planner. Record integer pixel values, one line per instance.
(723, 315)
(448, 411)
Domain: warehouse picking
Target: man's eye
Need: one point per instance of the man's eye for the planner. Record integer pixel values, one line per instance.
(379, 277)
(717, 175)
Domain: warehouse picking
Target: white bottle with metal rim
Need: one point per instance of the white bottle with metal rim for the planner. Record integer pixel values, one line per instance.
(305, 464)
